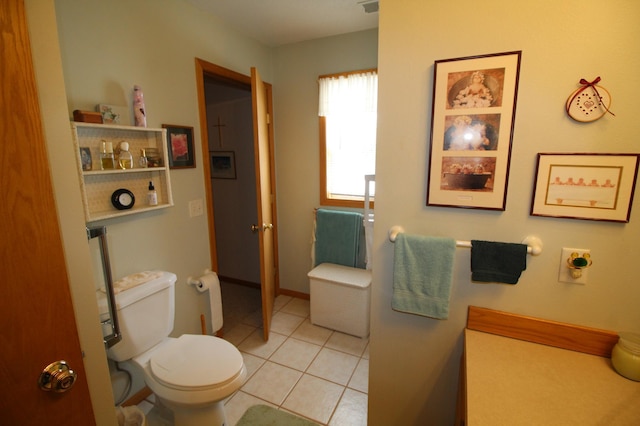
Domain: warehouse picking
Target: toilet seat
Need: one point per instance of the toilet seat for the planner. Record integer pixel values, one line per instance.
(196, 362)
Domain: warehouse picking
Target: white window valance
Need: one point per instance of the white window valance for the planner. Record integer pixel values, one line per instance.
(345, 94)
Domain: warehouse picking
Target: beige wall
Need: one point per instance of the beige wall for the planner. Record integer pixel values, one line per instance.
(414, 360)
(106, 48)
(296, 69)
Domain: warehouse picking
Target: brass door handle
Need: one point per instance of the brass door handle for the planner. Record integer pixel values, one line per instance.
(255, 228)
(57, 377)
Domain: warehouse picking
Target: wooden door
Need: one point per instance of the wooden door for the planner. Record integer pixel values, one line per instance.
(37, 323)
(265, 197)
(264, 171)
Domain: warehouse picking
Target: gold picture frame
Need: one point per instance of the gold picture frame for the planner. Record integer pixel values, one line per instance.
(585, 186)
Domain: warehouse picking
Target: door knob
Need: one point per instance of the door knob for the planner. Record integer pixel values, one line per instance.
(255, 228)
(57, 377)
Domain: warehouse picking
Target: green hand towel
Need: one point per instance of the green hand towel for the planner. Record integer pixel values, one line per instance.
(497, 262)
(422, 275)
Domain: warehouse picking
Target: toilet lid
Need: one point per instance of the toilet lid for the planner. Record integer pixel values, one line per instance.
(193, 361)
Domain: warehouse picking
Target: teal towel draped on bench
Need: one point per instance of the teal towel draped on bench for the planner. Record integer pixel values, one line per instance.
(339, 238)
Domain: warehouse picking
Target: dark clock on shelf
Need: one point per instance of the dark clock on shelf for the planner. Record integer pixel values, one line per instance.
(122, 199)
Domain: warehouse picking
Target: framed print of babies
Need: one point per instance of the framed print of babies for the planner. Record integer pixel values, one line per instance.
(474, 104)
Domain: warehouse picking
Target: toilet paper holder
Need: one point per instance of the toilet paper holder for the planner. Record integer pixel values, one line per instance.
(209, 283)
(196, 281)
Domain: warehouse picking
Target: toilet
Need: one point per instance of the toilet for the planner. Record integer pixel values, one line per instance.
(191, 374)
(340, 298)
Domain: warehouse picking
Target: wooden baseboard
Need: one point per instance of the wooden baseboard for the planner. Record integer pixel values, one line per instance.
(238, 281)
(561, 335)
(279, 291)
(138, 397)
(293, 293)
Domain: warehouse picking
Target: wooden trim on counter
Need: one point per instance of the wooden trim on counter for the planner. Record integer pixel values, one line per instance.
(561, 335)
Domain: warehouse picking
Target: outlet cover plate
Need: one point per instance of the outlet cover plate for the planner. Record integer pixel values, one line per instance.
(564, 273)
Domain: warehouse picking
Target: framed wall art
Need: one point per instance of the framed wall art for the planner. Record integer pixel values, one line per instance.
(85, 158)
(180, 146)
(585, 186)
(474, 104)
(223, 165)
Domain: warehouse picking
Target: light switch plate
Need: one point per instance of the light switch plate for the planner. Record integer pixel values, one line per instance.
(564, 273)
(196, 208)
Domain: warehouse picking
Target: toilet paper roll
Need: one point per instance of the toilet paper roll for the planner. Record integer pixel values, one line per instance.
(210, 282)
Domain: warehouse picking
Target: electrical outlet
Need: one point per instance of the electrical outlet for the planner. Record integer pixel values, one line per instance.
(564, 273)
(196, 208)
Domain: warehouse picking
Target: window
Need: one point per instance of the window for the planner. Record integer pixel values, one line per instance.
(348, 117)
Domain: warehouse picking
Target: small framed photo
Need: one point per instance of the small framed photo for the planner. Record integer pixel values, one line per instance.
(85, 158)
(473, 111)
(585, 186)
(223, 165)
(180, 146)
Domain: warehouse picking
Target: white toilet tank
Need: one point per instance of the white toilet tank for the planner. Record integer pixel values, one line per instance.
(145, 314)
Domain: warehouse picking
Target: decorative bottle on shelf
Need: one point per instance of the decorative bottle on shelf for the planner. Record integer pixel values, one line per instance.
(142, 161)
(125, 159)
(152, 195)
(139, 112)
(107, 160)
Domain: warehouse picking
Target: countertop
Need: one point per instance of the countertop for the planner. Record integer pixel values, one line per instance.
(515, 382)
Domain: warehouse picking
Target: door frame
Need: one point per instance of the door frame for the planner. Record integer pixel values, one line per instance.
(233, 78)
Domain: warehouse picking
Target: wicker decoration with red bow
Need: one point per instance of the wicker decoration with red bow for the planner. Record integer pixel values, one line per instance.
(589, 102)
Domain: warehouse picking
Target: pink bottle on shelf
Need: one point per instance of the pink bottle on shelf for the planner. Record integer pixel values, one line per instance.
(139, 111)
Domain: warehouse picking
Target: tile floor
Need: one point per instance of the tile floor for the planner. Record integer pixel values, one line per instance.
(304, 369)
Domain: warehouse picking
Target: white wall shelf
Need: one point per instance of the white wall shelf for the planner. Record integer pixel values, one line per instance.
(97, 185)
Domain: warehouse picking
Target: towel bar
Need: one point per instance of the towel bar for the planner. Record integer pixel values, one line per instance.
(534, 244)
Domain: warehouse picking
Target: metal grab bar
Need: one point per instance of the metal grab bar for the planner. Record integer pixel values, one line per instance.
(115, 336)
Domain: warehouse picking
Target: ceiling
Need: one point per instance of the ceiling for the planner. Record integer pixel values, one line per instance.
(278, 22)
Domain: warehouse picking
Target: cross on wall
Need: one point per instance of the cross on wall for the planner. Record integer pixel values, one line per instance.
(219, 126)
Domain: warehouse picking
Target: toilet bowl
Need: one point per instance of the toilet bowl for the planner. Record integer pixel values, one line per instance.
(191, 374)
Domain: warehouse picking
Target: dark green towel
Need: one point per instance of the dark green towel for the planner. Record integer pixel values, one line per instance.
(497, 262)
